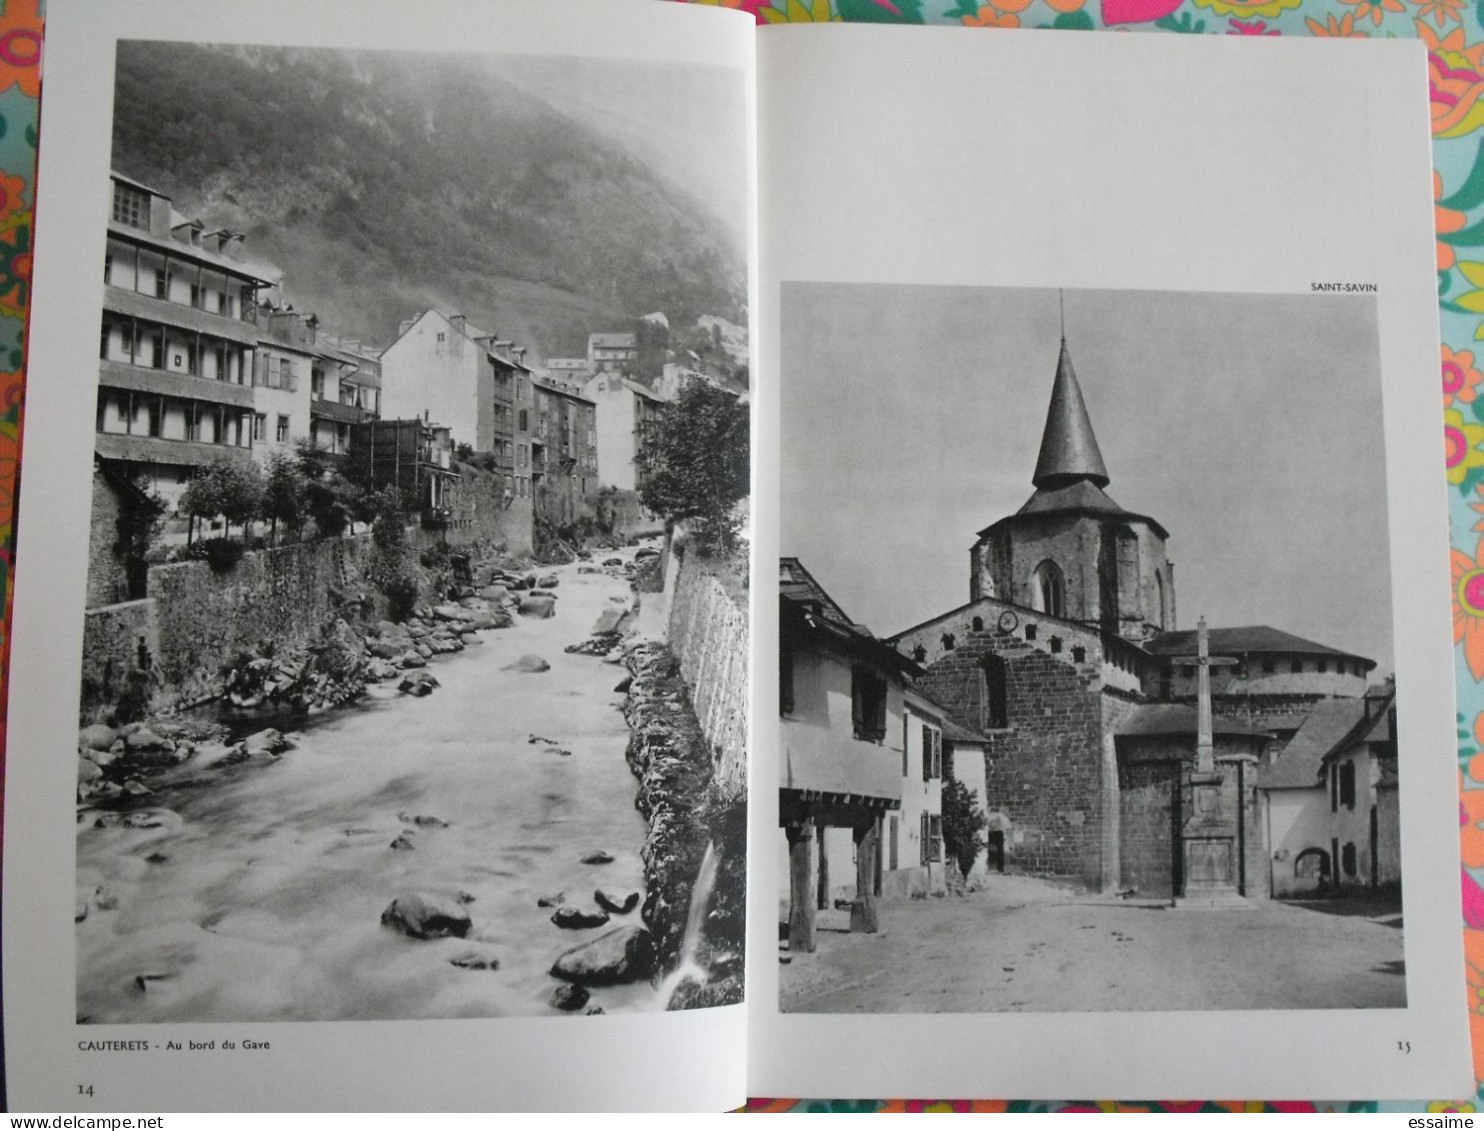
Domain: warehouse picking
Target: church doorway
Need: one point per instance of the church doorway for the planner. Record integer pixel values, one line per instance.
(1149, 805)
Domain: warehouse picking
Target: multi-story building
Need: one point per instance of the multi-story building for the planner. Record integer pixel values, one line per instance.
(281, 378)
(564, 448)
(177, 346)
(611, 351)
(626, 413)
(344, 390)
(478, 385)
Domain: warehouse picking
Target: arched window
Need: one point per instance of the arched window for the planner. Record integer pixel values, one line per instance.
(978, 623)
(1048, 590)
(1159, 594)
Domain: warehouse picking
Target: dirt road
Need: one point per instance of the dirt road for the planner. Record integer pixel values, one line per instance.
(1023, 945)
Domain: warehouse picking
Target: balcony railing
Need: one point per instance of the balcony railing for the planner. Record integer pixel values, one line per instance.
(172, 383)
(163, 311)
(155, 449)
(341, 413)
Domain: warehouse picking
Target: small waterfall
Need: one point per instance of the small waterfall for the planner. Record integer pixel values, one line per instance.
(690, 942)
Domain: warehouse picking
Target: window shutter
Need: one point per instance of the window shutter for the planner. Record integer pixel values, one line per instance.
(927, 753)
(924, 840)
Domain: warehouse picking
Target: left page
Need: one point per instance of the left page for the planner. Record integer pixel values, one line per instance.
(377, 741)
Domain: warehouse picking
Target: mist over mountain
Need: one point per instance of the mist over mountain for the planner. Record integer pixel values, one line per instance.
(385, 183)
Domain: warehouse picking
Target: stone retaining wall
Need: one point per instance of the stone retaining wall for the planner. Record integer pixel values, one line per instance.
(117, 640)
(708, 635)
(280, 596)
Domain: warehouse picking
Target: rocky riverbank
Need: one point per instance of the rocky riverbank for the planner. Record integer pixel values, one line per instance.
(687, 812)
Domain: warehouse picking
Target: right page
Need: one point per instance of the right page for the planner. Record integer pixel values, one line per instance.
(1114, 678)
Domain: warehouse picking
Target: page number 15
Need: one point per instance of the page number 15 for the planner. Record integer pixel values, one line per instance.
(1403, 1046)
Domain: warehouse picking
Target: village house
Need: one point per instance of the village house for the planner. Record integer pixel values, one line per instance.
(1121, 752)
(866, 756)
(564, 449)
(177, 344)
(282, 369)
(626, 414)
(611, 351)
(441, 368)
(344, 390)
(842, 703)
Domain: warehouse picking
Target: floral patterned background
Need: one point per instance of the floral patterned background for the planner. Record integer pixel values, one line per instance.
(1454, 33)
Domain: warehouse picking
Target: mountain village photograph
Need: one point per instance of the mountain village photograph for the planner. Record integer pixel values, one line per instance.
(1147, 758)
(414, 668)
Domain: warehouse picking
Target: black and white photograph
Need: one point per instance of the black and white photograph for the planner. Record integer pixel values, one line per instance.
(1044, 751)
(414, 657)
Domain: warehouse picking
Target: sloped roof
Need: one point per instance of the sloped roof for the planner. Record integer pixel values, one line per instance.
(1251, 638)
(1069, 450)
(956, 733)
(797, 584)
(1298, 766)
(1153, 719)
(1082, 497)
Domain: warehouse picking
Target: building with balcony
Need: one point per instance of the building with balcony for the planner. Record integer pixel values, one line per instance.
(344, 390)
(842, 699)
(611, 351)
(177, 344)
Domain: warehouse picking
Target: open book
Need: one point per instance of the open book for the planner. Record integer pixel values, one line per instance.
(429, 694)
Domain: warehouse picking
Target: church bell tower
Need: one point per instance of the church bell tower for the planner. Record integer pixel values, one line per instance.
(1071, 551)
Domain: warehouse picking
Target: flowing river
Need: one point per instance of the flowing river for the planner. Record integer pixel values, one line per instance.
(260, 897)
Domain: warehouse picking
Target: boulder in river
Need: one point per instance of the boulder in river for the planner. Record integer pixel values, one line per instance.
(472, 960)
(552, 900)
(576, 919)
(550, 581)
(538, 607)
(528, 663)
(266, 741)
(625, 954)
(613, 906)
(598, 857)
(611, 620)
(421, 915)
(96, 737)
(569, 999)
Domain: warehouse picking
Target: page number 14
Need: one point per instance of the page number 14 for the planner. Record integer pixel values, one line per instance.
(85, 1089)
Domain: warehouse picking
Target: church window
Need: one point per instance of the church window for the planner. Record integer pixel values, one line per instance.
(1055, 645)
(1159, 593)
(1048, 590)
(996, 693)
(1030, 632)
(1347, 785)
(948, 640)
(1079, 655)
(978, 624)
(919, 654)
(868, 704)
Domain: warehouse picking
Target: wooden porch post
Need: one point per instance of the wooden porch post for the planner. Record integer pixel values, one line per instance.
(863, 910)
(800, 888)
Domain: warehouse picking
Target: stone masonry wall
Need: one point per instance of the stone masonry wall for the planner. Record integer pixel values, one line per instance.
(708, 634)
(116, 641)
(282, 595)
(108, 580)
(1044, 772)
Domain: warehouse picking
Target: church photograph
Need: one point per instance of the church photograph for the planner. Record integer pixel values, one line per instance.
(1087, 698)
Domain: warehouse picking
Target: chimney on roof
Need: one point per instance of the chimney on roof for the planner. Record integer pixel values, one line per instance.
(458, 322)
(404, 326)
(519, 352)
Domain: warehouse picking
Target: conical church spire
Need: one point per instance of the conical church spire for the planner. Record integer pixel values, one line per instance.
(1069, 450)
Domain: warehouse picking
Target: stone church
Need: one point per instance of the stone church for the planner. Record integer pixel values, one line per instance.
(1067, 658)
